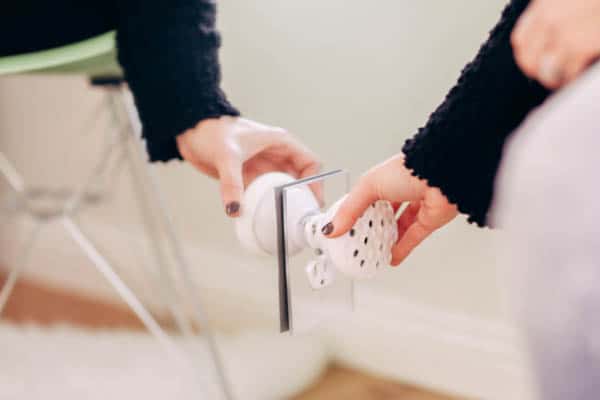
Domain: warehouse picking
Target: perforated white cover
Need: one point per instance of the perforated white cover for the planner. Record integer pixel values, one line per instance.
(366, 248)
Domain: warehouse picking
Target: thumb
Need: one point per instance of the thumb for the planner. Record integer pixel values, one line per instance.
(352, 208)
(231, 185)
(414, 235)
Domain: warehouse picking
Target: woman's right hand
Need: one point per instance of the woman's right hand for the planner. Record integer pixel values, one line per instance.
(391, 180)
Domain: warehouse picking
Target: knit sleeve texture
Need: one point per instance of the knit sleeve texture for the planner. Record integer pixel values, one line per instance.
(460, 147)
(169, 53)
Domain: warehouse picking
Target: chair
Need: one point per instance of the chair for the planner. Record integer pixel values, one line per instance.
(95, 58)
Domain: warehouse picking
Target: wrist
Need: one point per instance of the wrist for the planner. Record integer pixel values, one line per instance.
(419, 185)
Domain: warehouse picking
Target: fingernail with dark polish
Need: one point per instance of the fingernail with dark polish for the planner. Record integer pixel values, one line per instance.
(327, 228)
(232, 208)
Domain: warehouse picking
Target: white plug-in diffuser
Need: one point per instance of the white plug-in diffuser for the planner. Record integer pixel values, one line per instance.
(359, 253)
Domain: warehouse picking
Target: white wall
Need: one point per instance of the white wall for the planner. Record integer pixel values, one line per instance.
(353, 79)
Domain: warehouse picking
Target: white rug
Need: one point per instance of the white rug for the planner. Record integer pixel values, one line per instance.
(66, 363)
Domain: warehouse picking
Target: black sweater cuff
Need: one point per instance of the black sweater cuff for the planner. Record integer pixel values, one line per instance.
(460, 147)
(169, 53)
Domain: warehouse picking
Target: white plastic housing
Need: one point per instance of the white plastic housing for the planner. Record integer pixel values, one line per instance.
(320, 272)
(359, 253)
(257, 227)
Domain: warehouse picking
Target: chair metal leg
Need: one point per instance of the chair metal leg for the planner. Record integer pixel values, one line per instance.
(8, 209)
(163, 280)
(104, 267)
(182, 264)
(17, 184)
(122, 147)
(127, 147)
(20, 265)
(11, 175)
(111, 147)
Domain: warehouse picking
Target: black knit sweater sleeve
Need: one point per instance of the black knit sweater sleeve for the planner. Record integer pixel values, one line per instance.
(460, 147)
(168, 51)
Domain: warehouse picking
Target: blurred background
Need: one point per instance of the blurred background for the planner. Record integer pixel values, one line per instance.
(353, 80)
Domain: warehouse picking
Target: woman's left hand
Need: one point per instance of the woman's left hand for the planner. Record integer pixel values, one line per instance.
(554, 41)
(236, 150)
(427, 211)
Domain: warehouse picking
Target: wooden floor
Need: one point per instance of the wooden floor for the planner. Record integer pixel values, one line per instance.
(347, 384)
(34, 303)
(30, 302)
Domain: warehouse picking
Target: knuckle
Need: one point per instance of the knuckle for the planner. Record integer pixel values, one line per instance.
(280, 136)
(223, 151)
(316, 164)
(279, 131)
(364, 183)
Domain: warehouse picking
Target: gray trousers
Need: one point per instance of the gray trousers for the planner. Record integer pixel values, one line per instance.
(547, 204)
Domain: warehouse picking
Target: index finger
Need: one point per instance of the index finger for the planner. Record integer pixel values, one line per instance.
(306, 165)
(352, 208)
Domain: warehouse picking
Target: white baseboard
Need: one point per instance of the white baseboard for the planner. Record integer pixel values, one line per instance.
(436, 348)
(388, 334)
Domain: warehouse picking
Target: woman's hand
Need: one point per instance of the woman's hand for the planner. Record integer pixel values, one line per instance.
(236, 150)
(428, 209)
(555, 40)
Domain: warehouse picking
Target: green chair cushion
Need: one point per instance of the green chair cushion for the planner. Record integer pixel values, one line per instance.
(95, 57)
